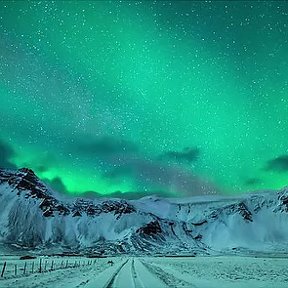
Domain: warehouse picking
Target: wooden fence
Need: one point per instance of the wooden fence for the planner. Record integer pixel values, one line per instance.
(41, 265)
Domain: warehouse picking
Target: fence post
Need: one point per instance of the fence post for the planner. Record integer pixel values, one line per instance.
(52, 265)
(66, 263)
(40, 266)
(3, 270)
(24, 269)
(15, 269)
(32, 267)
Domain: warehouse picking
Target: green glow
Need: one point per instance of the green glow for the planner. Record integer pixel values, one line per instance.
(162, 75)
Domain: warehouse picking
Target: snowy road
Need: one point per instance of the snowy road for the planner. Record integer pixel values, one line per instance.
(129, 273)
(150, 272)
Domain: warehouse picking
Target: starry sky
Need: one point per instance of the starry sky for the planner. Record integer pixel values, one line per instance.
(133, 98)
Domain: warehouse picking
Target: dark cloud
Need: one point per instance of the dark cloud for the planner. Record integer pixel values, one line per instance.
(172, 179)
(56, 184)
(186, 155)
(124, 161)
(131, 195)
(105, 146)
(279, 164)
(252, 181)
(6, 153)
(148, 175)
(41, 168)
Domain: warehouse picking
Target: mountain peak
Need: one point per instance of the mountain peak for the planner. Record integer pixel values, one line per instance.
(27, 171)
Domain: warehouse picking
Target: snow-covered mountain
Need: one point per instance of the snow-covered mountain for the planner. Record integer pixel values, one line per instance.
(33, 216)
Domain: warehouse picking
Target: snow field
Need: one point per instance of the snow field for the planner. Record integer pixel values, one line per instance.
(159, 272)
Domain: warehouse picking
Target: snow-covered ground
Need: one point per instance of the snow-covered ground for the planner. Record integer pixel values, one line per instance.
(150, 272)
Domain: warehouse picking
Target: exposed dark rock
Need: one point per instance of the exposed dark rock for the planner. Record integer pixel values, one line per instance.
(47, 202)
(198, 237)
(76, 214)
(284, 202)
(91, 210)
(244, 211)
(185, 228)
(62, 209)
(200, 223)
(48, 213)
(150, 228)
(27, 170)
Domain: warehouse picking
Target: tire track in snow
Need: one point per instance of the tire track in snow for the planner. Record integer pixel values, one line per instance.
(147, 277)
(127, 276)
(137, 282)
(111, 283)
(169, 279)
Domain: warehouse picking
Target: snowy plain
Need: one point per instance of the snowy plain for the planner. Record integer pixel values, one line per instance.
(152, 272)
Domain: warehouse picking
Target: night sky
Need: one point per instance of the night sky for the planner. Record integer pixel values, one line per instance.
(174, 98)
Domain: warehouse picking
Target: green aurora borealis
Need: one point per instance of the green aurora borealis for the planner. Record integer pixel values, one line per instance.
(172, 97)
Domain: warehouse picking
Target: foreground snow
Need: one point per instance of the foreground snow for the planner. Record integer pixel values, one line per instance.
(152, 272)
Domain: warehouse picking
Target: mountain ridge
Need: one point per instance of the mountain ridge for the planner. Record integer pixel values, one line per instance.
(32, 216)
